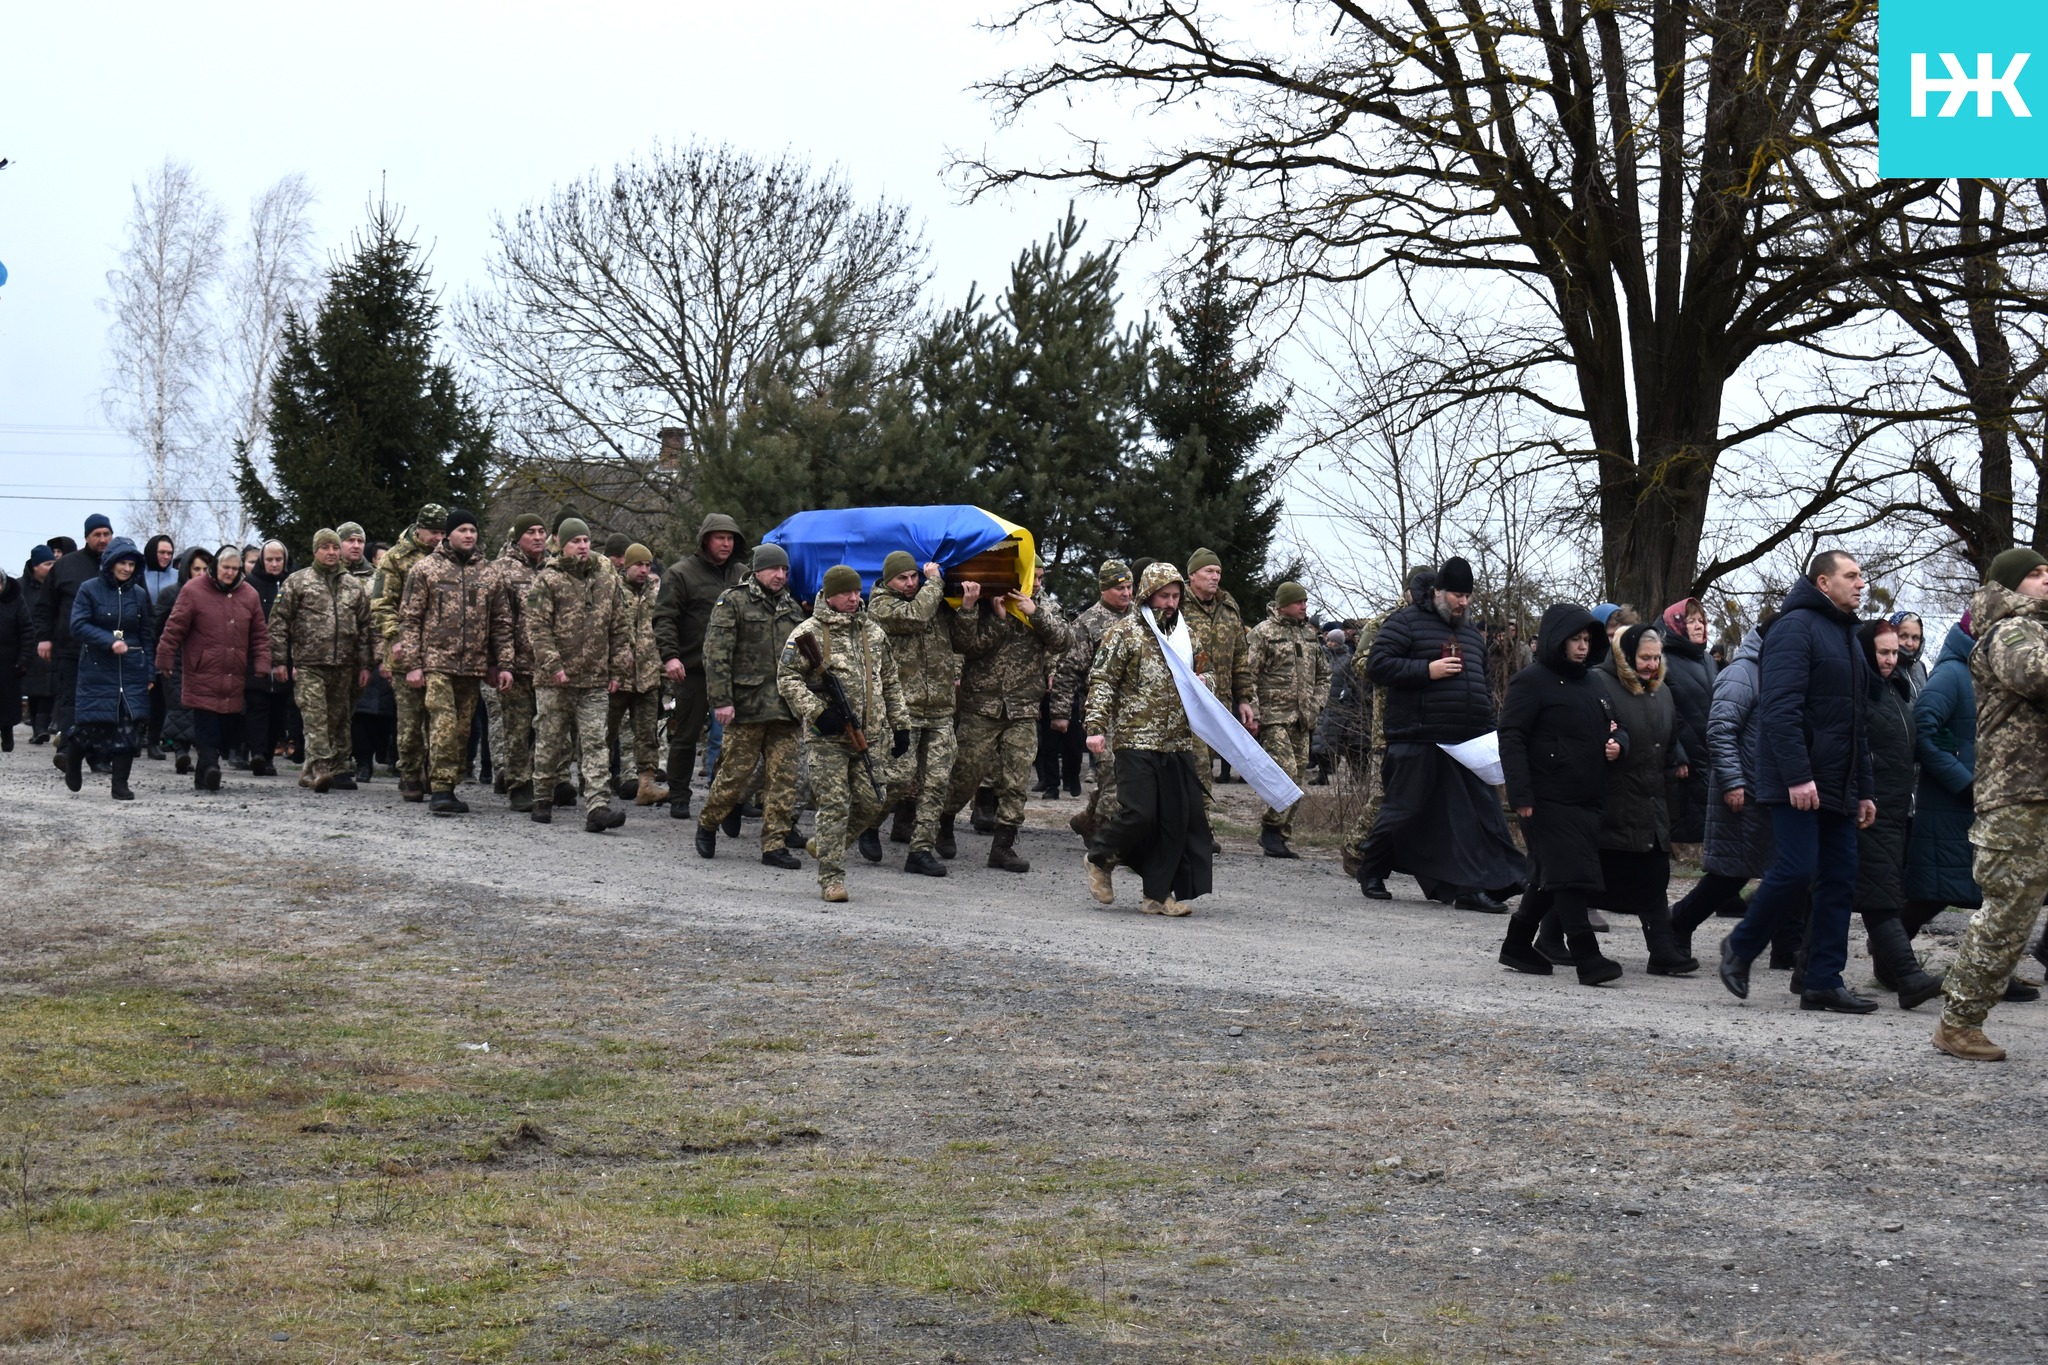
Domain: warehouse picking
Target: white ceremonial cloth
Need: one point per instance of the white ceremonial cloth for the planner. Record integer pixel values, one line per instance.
(1213, 724)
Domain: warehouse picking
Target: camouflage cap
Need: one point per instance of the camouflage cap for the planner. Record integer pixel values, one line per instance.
(432, 517)
(1158, 575)
(1114, 573)
(351, 528)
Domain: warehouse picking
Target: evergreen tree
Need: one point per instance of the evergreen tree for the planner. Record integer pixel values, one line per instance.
(1209, 485)
(365, 424)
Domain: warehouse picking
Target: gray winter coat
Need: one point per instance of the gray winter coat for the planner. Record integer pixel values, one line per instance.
(1737, 845)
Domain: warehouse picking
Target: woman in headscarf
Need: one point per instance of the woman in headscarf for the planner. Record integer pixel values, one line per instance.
(111, 621)
(39, 684)
(1881, 849)
(1635, 826)
(192, 562)
(1689, 673)
(217, 634)
(1559, 741)
(1912, 639)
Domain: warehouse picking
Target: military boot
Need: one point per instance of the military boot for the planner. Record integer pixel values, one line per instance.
(342, 779)
(565, 793)
(651, 793)
(323, 779)
(1274, 844)
(365, 768)
(984, 819)
(543, 810)
(870, 843)
(922, 863)
(412, 789)
(1002, 851)
(707, 841)
(519, 796)
(1970, 1044)
(1101, 884)
(902, 822)
(1082, 822)
(444, 803)
(601, 818)
(947, 846)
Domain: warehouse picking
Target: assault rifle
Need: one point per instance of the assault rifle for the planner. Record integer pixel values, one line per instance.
(856, 736)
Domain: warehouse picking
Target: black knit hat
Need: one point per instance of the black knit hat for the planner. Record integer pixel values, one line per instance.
(1454, 576)
(459, 516)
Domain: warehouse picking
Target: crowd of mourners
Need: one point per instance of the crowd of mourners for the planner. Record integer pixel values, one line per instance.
(1824, 761)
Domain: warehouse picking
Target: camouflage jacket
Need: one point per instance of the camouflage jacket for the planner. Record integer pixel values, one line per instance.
(1132, 700)
(320, 618)
(1070, 679)
(858, 652)
(920, 631)
(2010, 668)
(645, 674)
(1290, 670)
(577, 619)
(387, 592)
(1218, 628)
(515, 574)
(743, 648)
(1009, 662)
(454, 619)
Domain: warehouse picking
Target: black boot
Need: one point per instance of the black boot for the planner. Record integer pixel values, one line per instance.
(984, 820)
(707, 841)
(7, 742)
(731, 823)
(444, 803)
(902, 822)
(206, 772)
(543, 812)
(1002, 851)
(1898, 968)
(519, 796)
(1550, 942)
(73, 763)
(184, 763)
(1274, 844)
(1374, 888)
(1519, 950)
(870, 843)
(565, 794)
(1666, 957)
(1592, 967)
(782, 858)
(123, 765)
(923, 864)
(947, 846)
(682, 767)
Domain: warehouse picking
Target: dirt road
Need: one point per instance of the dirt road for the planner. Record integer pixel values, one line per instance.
(1296, 1126)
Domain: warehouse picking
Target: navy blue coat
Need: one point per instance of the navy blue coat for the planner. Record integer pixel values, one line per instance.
(1938, 854)
(1811, 705)
(1418, 710)
(112, 687)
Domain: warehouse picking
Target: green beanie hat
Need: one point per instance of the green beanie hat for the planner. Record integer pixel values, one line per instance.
(570, 528)
(617, 543)
(1114, 573)
(351, 528)
(770, 557)
(2012, 566)
(323, 536)
(1202, 559)
(638, 554)
(838, 579)
(898, 561)
(521, 525)
(1289, 593)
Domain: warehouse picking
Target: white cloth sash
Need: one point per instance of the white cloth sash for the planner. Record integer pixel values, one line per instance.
(1213, 723)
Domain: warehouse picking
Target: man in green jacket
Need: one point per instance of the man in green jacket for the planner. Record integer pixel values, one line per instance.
(742, 650)
(690, 588)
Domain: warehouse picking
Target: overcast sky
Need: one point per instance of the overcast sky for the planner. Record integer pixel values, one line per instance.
(468, 108)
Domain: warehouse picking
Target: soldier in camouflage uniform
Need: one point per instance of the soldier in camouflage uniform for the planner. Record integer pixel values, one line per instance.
(577, 621)
(387, 595)
(857, 652)
(454, 630)
(2010, 669)
(1070, 682)
(1159, 827)
(742, 651)
(321, 643)
(919, 625)
(1290, 679)
(1009, 662)
(516, 566)
(1218, 628)
(639, 696)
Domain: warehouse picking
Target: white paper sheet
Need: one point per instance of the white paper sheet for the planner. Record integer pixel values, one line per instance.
(1481, 755)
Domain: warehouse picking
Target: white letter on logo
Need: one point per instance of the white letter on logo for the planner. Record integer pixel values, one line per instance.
(1984, 86)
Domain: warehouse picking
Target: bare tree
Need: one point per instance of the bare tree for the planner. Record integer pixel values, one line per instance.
(652, 297)
(275, 275)
(1667, 208)
(162, 338)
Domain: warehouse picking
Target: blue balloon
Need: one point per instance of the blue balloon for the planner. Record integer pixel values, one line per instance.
(3, 272)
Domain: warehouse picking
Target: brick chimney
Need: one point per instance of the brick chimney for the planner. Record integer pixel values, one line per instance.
(672, 443)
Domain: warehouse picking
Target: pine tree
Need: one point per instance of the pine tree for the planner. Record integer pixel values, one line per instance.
(365, 424)
(1209, 485)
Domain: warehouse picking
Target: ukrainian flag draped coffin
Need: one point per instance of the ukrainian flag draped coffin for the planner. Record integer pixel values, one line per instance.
(965, 542)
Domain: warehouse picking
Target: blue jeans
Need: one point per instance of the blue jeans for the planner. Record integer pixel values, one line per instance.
(1816, 848)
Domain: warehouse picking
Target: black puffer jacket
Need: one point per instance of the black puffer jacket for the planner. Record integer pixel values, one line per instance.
(16, 646)
(1689, 674)
(1634, 818)
(1554, 730)
(52, 607)
(41, 678)
(1881, 849)
(1814, 680)
(1419, 710)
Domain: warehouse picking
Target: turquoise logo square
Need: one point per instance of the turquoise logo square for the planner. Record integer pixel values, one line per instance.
(1962, 89)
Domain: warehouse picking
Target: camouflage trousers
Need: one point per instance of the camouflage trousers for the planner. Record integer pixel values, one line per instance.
(1102, 802)
(326, 698)
(925, 774)
(568, 718)
(450, 703)
(847, 803)
(643, 710)
(772, 745)
(1286, 743)
(412, 729)
(989, 749)
(510, 714)
(2012, 869)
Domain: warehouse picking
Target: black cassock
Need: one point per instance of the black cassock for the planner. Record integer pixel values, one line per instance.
(1442, 826)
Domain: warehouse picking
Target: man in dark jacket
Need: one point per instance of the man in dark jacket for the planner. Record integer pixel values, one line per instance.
(1814, 775)
(690, 588)
(1437, 820)
(53, 619)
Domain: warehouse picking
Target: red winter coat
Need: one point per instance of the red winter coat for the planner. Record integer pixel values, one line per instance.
(221, 638)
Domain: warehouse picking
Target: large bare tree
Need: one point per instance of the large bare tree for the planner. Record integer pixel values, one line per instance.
(1665, 209)
(162, 339)
(651, 298)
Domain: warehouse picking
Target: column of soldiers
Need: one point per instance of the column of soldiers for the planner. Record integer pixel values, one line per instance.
(568, 647)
